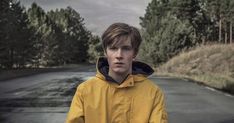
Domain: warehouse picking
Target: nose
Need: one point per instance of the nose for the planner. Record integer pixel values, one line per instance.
(119, 54)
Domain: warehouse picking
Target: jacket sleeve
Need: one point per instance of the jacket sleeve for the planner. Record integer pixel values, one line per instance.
(76, 112)
(158, 114)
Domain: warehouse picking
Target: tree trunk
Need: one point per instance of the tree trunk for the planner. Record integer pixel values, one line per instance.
(220, 33)
(11, 63)
(230, 32)
(225, 38)
(203, 40)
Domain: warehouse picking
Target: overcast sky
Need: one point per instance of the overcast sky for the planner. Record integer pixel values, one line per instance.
(99, 14)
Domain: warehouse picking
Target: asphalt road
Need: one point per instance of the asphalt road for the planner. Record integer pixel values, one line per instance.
(188, 102)
(45, 98)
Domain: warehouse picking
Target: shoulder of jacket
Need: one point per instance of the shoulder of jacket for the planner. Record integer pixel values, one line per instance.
(153, 85)
(87, 82)
(93, 81)
(83, 86)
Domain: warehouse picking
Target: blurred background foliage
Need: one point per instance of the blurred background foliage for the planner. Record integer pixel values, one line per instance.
(35, 38)
(172, 26)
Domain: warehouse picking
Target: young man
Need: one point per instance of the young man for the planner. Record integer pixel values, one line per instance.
(120, 92)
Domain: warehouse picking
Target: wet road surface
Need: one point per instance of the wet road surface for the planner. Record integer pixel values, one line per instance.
(188, 102)
(45, 98)
(42, 98)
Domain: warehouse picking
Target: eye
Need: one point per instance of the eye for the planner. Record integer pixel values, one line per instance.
(113, 48)
(127, 48)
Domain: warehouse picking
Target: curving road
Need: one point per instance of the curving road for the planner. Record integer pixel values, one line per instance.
(188, 102)
(46, 98)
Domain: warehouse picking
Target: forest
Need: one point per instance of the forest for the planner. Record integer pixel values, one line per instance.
(33, 37)
(171, 26)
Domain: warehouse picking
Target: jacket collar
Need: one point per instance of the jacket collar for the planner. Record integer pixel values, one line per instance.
(140, 71)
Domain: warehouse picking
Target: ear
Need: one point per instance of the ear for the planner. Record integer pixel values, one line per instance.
(105, 54)
(135, 54)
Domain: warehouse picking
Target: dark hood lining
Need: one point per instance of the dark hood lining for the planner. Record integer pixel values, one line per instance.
(137, 67)
(141, 68)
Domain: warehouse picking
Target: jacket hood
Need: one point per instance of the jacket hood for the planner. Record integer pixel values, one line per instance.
(138, 68)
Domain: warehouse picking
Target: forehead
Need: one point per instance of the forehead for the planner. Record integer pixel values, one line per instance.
(121, 41)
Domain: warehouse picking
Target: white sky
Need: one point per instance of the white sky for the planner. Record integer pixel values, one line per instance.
(99, 14)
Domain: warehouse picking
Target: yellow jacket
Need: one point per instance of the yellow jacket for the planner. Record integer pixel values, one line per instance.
(136, 100)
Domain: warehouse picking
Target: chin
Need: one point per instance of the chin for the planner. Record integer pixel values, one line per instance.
(118, 71)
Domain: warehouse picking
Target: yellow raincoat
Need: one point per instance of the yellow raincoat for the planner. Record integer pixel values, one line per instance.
(101, 100)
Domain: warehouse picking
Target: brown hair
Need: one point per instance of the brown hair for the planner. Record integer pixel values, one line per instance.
(121, 31)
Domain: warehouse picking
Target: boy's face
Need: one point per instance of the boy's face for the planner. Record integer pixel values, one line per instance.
(120, 57)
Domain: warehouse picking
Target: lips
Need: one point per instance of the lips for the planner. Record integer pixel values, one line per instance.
(119, 63)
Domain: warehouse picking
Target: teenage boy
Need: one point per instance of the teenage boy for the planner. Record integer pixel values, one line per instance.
(120, 92)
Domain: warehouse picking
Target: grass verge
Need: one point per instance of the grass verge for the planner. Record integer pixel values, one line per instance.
(211, 65)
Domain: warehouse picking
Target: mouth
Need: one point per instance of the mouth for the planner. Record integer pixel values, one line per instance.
(119, 63)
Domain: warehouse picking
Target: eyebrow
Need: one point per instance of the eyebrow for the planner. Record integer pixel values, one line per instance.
(127, 46)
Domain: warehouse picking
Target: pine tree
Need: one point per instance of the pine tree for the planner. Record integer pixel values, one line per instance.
(95, 49)
(49, 37)
(76, 35)
(16, 40)
(4, 10)
(165, 32)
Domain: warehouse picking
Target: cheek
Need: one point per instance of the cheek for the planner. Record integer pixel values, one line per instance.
(109, 59)
(130, 56)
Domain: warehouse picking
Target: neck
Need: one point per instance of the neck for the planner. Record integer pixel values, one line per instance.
(118, 77)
